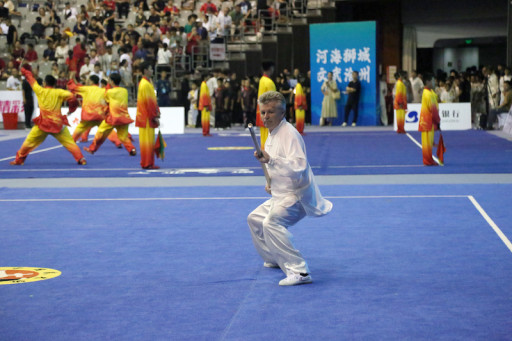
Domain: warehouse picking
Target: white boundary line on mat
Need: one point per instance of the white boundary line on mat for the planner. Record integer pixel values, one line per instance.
(34, 152)
(419, 145)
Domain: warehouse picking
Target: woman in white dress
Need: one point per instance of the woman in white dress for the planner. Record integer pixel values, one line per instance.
(331, 94)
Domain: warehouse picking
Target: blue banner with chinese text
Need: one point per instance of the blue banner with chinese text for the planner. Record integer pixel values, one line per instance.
(341, 48)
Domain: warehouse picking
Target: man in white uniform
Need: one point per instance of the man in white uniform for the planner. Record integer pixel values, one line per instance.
(294, 193)
(417, 87)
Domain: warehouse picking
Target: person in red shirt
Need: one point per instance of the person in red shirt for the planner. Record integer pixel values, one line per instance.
(170, 8)
(31, 55)
(206, 5)
(111, 4)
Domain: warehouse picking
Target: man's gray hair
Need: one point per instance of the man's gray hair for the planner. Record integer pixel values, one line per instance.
(273, 96)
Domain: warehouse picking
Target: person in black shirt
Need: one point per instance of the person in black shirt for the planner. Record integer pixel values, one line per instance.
(28, 102)
(49, 53)
(353, 90)
(4, 11)
(221, 105)
(38, 28)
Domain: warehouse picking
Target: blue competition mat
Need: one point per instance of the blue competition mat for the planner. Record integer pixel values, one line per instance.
(335, 153)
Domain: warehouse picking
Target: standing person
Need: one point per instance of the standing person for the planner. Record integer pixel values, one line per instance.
(248, 102)
(163, 90)
(400, 103)
(331, 93)
(50, 120)
(429, 120)
(117, 118)
(93, 105)
(293, 189)
(383, 92)
(205, 106)
(266, 84)
(354, 91)
(300, 105)
(192, 97)
(28, 102)
(148, 117)
(221, 106)
(417, 87)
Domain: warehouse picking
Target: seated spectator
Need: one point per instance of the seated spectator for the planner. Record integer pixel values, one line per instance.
(123, 8)
(18, 53)
(170, 9)
(94, 29)
(61, 53)
(85, 15)
(111, 4)
(191, 22)
(97, 71)
(130, 31)
(447, 94)
(54, 20)
(12, 10)
(208, 5)
(45, 16)
(69, 13)
(4, 11)
(55, 71)
(140, 19)
(141, 4)
(55, 36)
(12, 33)
(31, 55)
(93, 57)
(13, 82)
(237, 18)
(86, 69)
(81, 26)
(154, 17)
(126, 74)
(62, 81)
(38, 28)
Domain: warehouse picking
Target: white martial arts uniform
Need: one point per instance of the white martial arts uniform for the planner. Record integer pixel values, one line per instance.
(294, 195)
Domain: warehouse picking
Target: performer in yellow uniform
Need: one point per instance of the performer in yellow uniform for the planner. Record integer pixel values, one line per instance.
(148, 118)
(429, 121)
(300, 105)
(205, 105)
(266, 84)
(400, 103)
(50, 120)
(93, 104)
(117, 117)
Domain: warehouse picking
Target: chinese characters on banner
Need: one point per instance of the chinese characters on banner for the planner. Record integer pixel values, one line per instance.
(12, 102)
(342, 48)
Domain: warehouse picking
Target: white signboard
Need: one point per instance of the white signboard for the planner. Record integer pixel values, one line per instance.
(218, 52)
(454, 116)
(12, 102)
(172, 120)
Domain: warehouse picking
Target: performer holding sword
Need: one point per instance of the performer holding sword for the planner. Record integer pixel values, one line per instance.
(293, 189)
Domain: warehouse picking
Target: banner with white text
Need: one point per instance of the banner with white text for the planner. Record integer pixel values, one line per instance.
(342, 48)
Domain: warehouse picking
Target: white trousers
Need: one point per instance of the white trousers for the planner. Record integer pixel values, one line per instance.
(269, 230)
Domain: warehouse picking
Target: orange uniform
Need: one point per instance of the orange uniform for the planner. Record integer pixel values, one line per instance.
(400, 105)
(117, 118)
(50, 121)
(205, 105)
(93, 106)
(266, 84)
(300, 106)
(147, 113)
(429, 121)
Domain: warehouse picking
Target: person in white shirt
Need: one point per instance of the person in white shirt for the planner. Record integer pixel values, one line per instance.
(125, 56)
(383, 92)
(13, 82)
(212, 85)
(417, 87)
(97, 71)
(224, 22)
(293, 189)
(86, 69)
(163, 55)
(193, 96)
(69, 12)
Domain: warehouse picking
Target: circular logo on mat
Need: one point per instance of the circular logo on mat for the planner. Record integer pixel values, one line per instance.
(15, 275)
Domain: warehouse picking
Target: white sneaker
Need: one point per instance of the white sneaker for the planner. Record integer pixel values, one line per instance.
(270, 265)
(296, 279)
(344, 124)
(353, 124)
